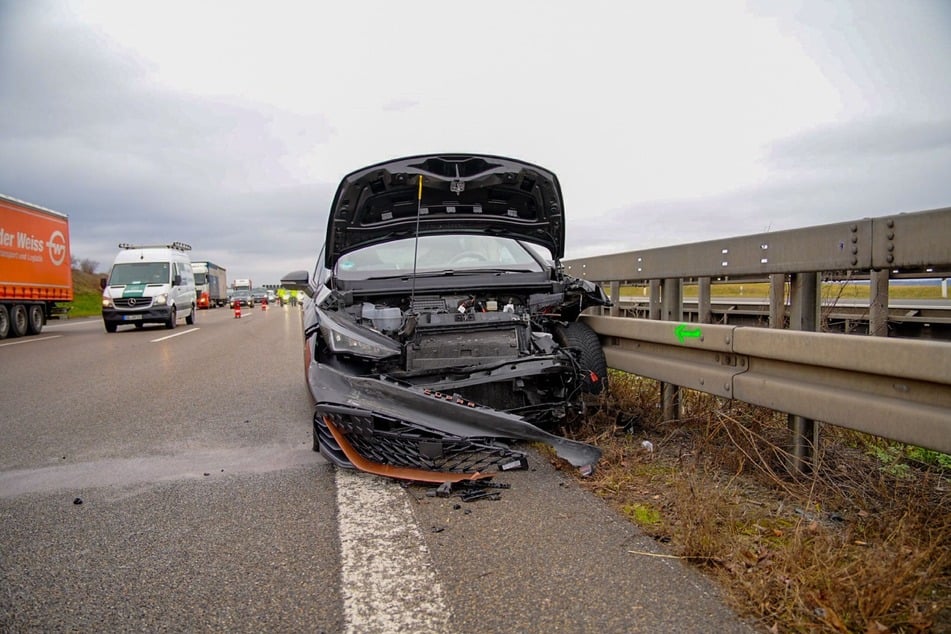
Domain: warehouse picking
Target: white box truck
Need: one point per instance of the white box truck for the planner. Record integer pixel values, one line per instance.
(211, 284)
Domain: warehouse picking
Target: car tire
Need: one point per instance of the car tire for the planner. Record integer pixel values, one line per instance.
(4, 322)
(35, 319)
(190, 320)
(19, 322)
(172, 320)
(111, 326)
(579, 335)
(316, 445)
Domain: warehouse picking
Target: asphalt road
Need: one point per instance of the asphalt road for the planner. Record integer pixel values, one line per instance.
(203, 508)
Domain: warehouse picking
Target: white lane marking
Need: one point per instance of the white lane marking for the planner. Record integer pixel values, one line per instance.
(388, 581)
(177, 334)
(29, 340)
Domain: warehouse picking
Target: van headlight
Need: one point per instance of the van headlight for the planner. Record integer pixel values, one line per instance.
(161, 299)
(107, 302)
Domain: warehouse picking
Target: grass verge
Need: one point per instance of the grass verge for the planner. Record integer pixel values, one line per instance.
(87, 296)
(862, 544)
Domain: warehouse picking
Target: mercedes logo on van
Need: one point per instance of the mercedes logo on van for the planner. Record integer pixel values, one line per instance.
(131, 301)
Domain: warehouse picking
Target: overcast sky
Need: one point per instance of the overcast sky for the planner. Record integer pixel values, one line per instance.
(228, 125)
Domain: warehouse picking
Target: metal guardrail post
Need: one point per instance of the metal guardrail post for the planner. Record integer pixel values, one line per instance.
(653, 310)
(672, 309)
(777, 300)
(878, 303)
(804, 315)
(704, 308)
(615, 299)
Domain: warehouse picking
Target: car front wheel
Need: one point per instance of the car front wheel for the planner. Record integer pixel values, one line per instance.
(579, 336)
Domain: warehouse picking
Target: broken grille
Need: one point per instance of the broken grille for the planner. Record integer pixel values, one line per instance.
(391, 442)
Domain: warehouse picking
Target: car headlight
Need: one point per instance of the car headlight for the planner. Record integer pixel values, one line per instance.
(107, 302)
(161, 299)
(349, 338)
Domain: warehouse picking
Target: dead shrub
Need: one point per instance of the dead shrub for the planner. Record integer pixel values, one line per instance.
(860, 544)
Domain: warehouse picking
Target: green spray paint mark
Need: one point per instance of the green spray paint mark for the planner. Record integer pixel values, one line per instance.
(683, 331)
(134, 290)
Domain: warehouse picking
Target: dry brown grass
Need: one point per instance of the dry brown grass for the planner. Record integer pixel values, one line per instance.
(860, 545)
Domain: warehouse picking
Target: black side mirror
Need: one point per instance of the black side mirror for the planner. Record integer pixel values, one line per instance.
(177, 280)
(102, 283)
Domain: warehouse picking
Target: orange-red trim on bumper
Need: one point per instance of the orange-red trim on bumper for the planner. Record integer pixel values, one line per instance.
(400, 473)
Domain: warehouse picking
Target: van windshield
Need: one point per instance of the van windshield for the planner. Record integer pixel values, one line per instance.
(139, 273)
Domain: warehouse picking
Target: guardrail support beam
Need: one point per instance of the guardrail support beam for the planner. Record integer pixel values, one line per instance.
(777, 300)
(704, 307)
(672, 309)
(653, 307)
(804, 315)
(878, 303)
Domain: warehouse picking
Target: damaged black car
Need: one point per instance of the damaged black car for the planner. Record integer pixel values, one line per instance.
(439, 326)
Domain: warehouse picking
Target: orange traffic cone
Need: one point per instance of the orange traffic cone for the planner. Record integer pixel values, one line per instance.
(237, 310)
(264, 305)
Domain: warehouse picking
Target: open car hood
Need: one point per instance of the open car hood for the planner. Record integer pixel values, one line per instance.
(461, 193)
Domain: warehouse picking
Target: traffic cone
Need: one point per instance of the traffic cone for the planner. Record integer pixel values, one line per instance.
(237, 310)
(264, 305)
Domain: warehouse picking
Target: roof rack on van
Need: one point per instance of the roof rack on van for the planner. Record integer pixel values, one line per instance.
(180, 246)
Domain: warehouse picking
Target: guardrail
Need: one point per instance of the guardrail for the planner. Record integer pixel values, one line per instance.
(895, 388)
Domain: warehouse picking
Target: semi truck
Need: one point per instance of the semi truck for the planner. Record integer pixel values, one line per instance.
(211, 284)
(35, 267)
(241, 285)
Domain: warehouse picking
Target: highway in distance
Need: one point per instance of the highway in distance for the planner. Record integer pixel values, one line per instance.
(156, 479)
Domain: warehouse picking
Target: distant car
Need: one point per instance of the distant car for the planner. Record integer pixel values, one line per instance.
(242, 298)
(435, 332)
(271, 297)
(259, 295)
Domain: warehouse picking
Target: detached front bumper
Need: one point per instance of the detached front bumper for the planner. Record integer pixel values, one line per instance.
(380, 425)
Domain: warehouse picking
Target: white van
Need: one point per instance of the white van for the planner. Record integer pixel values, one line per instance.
(149, 284)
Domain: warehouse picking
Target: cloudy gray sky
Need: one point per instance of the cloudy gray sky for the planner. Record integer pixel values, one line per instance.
(229, 124)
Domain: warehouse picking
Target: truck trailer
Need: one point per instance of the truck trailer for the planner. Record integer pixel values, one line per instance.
(35, 267)
(211, 284)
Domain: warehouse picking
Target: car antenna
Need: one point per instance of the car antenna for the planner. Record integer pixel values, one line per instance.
(419, 203)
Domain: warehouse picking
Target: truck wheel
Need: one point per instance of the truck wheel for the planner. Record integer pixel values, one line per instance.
(190, 320)
(18, 321)
(172, 319)
(579, 335)
(111, 326)
(4, 322)
(35, 319)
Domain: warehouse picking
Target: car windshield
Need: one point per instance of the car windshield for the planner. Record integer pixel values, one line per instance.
(456, 253)
(139, 273)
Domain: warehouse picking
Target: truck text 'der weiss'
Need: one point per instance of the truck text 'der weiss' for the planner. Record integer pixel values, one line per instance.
(35, 266)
